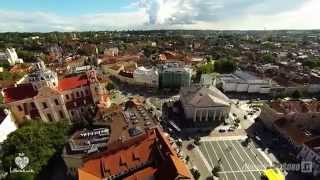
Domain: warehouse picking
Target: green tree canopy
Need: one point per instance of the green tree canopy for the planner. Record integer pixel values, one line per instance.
(38, 141)
(312, 63)
(225, 66)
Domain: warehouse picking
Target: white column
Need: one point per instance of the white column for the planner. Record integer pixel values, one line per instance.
(220, 115)
(214, 115)
(195, 115)
(207, 113)
(201, 115)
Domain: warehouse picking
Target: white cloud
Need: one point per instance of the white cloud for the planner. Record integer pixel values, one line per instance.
(177, 14)
(13, 21)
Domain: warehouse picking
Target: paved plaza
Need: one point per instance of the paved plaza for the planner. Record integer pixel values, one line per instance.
(237, 162)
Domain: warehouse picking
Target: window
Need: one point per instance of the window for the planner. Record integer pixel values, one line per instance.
(45, 106)
(20, 108)
(61, 114)
(50, 117)
(56, 101)
(78, 94)
(72, 113)
(33, 105)
(82, 94)
(67, 97)
(87, 92)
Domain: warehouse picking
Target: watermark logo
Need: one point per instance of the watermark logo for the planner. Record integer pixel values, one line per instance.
(21, 161)
(306, 166)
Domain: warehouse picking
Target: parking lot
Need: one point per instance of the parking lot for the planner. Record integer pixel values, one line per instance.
(236, 161)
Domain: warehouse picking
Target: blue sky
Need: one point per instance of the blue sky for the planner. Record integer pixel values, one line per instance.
(83, 15)
(66, 7)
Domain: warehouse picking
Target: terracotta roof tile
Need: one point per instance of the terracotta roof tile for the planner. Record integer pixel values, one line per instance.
(73, 82)
(138, 160)
(20, 92)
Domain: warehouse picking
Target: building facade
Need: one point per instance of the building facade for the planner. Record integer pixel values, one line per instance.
(173, 75)
(204, 104)
(241, 81)
(146, 77)
(10, 57)
(7, 124)
(49, 99)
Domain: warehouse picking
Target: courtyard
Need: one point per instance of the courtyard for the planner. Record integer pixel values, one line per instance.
(237, 161)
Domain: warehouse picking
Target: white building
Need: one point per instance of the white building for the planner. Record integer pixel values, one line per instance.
(208, 80)
(42, 77)
(7, 124)
(241, 81)
(111, 52)
(203, 104)
(147, 77)
(10, 57)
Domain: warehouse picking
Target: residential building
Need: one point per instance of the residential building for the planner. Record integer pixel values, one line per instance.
(7, 124)
(174, 75)
(42, 77)
(306, 142)
(204, 104)
(298, 122)
(112, 52)
(148, 156)
(10, 57)
(146, 77)
(44, 96)
(308, 111)
(121, 123)
(242, 81)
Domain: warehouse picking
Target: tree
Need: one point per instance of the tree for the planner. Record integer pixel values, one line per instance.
(268, 58)
(196, 174)
(27, 56)
(246, 142)
(38, 141)
(311, 63)
(110, 86)
(225, 66)
(215, 171)
(187, 159)
(197, 140)
(297, 94)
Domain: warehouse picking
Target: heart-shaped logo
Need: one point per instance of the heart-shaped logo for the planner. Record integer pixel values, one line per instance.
(21, 161)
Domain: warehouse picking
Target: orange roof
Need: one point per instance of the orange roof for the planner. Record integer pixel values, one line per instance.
(293, 131)
(146, 172)
(140, 160)
(83, 175)
(73, 82)
(122, 160)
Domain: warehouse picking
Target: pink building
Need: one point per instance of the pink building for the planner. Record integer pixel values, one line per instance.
(69, 98)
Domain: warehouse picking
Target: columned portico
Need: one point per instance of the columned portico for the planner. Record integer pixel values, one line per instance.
(206, 115)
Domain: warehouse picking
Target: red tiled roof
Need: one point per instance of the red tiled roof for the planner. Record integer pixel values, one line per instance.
(154, 161)
(73, 82)
(288, 127)
(296, 106)
(20, 92)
